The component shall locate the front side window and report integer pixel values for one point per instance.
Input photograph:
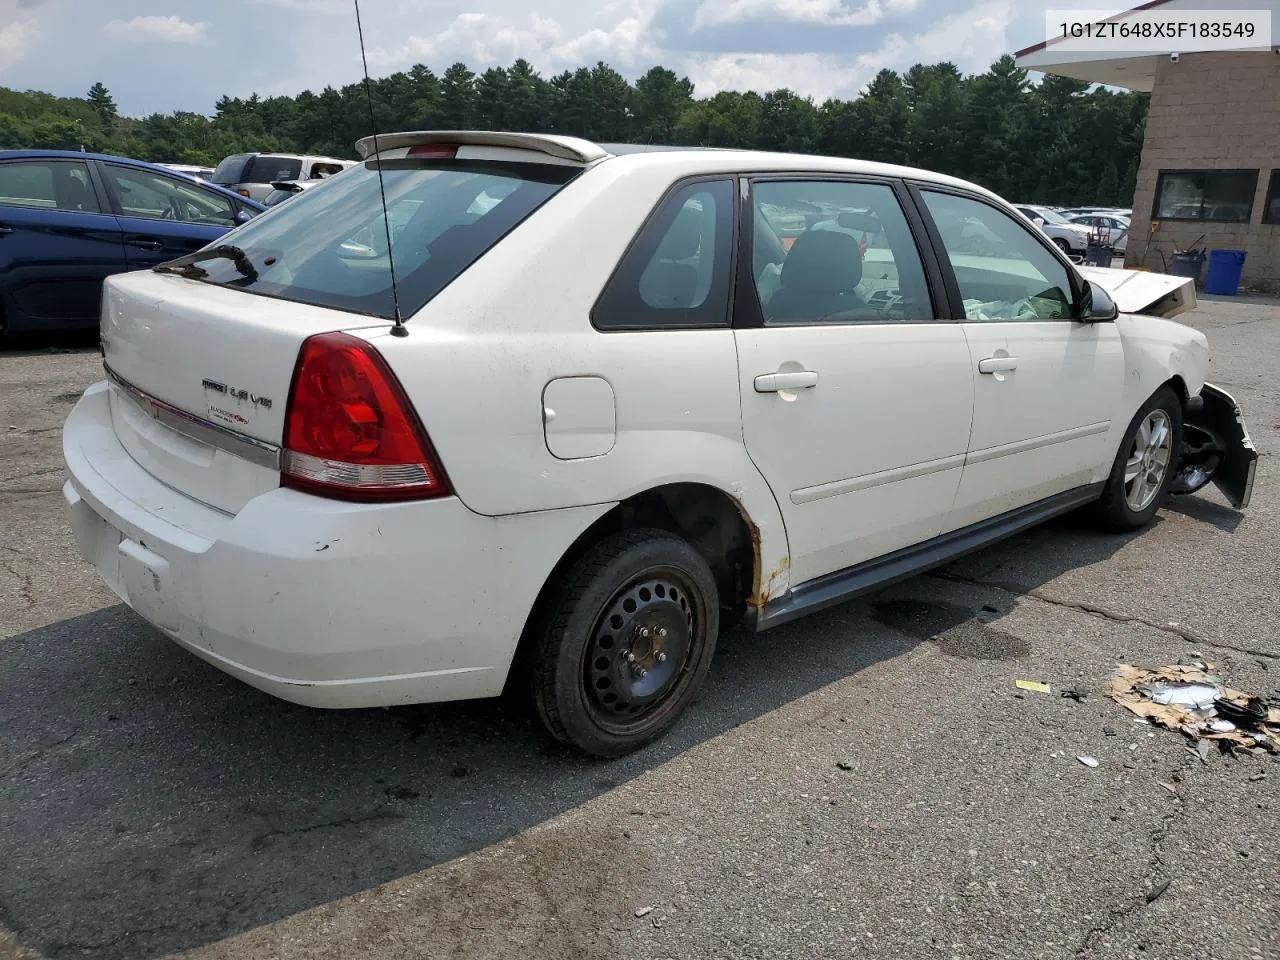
(1221, 195)
(328, 245)
(154, 196)
(835, 252)
(676, 273)
(48, 184)
(1003, 272)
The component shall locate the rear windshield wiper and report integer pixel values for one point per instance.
(186, 266)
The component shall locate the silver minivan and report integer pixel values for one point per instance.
(251, 174)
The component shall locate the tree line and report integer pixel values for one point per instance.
(1057, 141)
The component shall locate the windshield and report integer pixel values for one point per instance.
(328, 245)
(1048, 216)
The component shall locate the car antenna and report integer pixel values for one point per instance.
(398, 328)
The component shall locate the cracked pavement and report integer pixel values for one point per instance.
(151, 807)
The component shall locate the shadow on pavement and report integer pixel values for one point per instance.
(150, 804)
(34, 344)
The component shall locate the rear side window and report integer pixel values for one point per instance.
(328, 245)
(265, 169)
(47, 184)
(676, 273)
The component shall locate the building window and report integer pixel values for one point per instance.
(1221, 195)
(1271, 212)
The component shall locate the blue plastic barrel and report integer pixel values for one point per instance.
(1225, 267)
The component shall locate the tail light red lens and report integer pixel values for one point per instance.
(350, 431)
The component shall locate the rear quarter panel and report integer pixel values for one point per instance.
(479, 356)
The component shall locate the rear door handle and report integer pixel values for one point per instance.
(997, 364)
(4, 230)
(144, 243)
(797, 380)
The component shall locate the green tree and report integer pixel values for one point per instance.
(99, 98)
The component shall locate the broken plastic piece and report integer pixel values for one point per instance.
(1031, 685)
(1088, 761)
(1221, 726)
(644, 911)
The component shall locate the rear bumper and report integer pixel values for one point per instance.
(319, 602)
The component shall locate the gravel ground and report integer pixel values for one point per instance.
(150, 806)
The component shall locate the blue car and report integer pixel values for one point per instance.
(67, 220)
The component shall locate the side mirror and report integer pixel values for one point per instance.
(243, 216)
(1094, 304)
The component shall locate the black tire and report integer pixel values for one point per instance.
(1114, 511)
(586, 691)
(1063, 245)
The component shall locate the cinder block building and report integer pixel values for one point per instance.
(1211, 158)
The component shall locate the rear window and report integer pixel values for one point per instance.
(328, 245)
(265, 169)
(229, 170)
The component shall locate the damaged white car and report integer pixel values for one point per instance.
(554, 441)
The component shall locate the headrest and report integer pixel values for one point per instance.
(822, 261)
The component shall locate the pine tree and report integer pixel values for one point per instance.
(99, 98)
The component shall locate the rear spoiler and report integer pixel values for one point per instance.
(572, 149)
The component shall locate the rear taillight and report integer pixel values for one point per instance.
(350, 432)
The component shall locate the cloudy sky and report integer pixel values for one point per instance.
(183, 54)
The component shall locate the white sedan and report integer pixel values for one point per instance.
(599, 402)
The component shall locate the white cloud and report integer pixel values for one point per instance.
(15, 38)
(971, 40)
(830, 12)
(158, 30)
(482, 39)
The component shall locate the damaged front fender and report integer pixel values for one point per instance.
(1216, 447)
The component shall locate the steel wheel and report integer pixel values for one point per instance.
(1148, 462)
(625, 642)
(641, 649)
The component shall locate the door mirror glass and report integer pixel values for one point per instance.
(243, 216)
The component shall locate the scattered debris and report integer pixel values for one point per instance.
(1088, 761)
(1258, 776)
(844, 764)
(1201, 750)
(1032, 685)
(644, 911)
(1158, 890)
(1077, 694)
(1187, 699)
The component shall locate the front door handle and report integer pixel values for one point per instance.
(4, 229)
(997, 364)
(144, 243)
(795, 380)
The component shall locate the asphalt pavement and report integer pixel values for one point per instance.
(865, 783)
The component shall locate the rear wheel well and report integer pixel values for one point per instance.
(710, 520)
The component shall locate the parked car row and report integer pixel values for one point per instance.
(68, 220)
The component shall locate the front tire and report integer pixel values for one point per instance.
(1063, 245)
(1145, 465)
(628, 642)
